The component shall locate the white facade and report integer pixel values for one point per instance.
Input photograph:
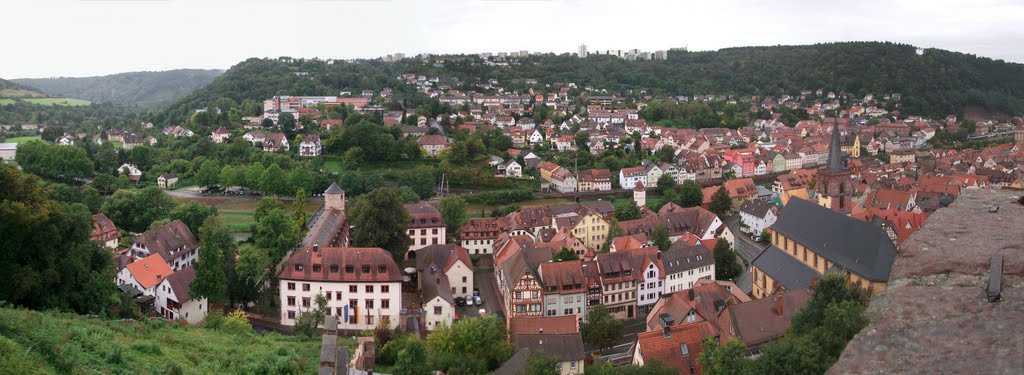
(422, 237)
(513, 169)
(309, 149)
(649, 291)
(566, 304)
(755, 225)
(366, 302)
(630, 182)
(192, 311)
(478, 246)
(438, 312)
(460, 278)
(684, 280)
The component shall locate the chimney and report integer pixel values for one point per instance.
(665, 321)
(316, 247)
(691, 294)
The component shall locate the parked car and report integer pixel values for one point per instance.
(459, 301)
(478, 300)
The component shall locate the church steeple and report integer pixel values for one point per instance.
(835, 150)
(833, 184)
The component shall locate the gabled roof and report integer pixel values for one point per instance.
(150, 270)
(679, 349)
(682, 257)
(785, 269)
(756, 207)
(766, 319)
(180, 282)
(852, 244)
(564, 348)
(167, 239)
(379, 265)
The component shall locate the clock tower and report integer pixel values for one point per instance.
(833, 184)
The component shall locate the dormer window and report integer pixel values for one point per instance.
(382, 269)
(349, 268)
(366, 268)
(298, 267)
(316, 268)
(334, 268)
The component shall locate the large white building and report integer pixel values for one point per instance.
(173, 241)
(363, 286)
(652, 285)
(684, 264)
(756, 216)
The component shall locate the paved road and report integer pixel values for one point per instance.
(745, 248)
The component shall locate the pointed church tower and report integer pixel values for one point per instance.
(640, 195)
(832, 183)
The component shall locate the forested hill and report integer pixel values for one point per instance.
(10, 89)
(146, 89)
(936, 83)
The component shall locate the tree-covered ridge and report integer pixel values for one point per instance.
(147, 89)
(936, 83)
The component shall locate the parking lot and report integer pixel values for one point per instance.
(483, 280)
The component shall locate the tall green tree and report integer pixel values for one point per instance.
(276, 232)
(33, 272)
(564, 255)
(601, 330)
(721, 204)
(480, 338)
(264, 206)
(726, 266)
(300, 178)
(134, 210)
(273, 180)
(690, 194)
(193, 214)
(308, 321)
(728, 359)
(299, 208)
(661, 238)
(254, 176)
(630, 212)
(614, 230)
(215, 240)
(540, 363)
(249, 270)
(380, 220)
(209, 173)
(453, 212)
(666, 182)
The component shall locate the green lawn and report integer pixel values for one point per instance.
(22, 139)
(237, 212)
(58, 101)
(6, 101)
(332, 166)
(118, 145)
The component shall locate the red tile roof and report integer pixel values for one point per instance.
(150, 270)
(679, 349)
(354, 264)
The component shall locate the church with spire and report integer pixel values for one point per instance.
(833, 185)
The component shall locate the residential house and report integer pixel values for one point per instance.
(310, 146)
(565, 289)
(104, 232)
(254, 137)
(653, 174)
(563, 181)
(444, 273)
(519, 283)
(619, 280)
(426, 227)
(173, 241)
(555, 336)
(363, 286)
(220, 135)
(134, 173)
(275, 142)
(628, 177)
(477, 235)
(511, 169)
(676, 346)
(595, 180)
(651, 285)
(684, 264)
(433, 144)
(756, 215)
(167, 180)
(154, 278)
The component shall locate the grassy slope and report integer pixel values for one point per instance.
(58, 343)
(22, 139)
(237, 211)
(57, 101)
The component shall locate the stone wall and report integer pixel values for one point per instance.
(934, 317)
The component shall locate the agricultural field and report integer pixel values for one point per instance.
(21, 139)
(6, 101)
(34, 342)
(58, 101)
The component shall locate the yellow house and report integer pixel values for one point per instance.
(852, 148)
(592, 229)
(809, 241)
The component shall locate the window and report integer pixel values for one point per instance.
(369, 303)
(353, 302)
(385, 303)
(328, 295)
(337, 296)
(316, 268)
(305, 287)
(349, 268)
(291, 286)
(369, 288)
(520, 308)
(291, 314)
(338, 311)
(291, 301)
(298, 267)
(463, 279)
(369, 320)
(437, 310)
(334, 268)
(366, 268)
(352, 288)
(382, 269)
(384, 288)
(305, 301)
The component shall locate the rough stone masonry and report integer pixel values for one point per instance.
(934, 316)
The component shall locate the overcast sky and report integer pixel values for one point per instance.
(45, 38)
